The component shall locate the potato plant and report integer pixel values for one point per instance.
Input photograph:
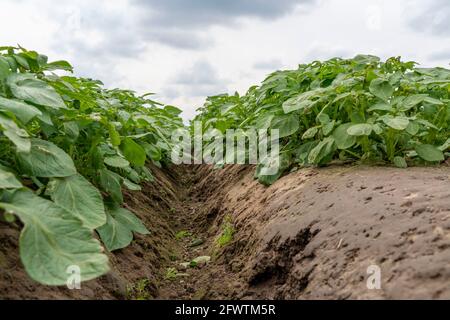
(355, 110)
(68, 147)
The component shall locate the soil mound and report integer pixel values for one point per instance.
(311, 235)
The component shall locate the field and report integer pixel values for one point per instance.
(88, 187)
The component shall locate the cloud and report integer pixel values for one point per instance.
(183, 24)
(443, 55)
(108, 30)
(96, 30)
(433, 18)
(201, 79)
(189, 40)
(191, 86)
(201, 13)
(321, 51)
(272, 64)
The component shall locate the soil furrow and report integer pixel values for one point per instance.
(314, 234)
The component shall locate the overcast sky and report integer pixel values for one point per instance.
(186, 50)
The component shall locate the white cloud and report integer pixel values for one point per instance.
(185, 50)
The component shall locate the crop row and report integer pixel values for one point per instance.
(67, 148)
(355, 110)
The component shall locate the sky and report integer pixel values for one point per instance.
(186, 50)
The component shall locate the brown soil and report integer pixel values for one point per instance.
(135, 270)
(312, 235)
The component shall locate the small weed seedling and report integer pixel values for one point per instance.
(139, 290)
(228, 232)
(183, 235)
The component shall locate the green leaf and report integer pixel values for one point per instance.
(114, 136)
(54, 240)
(117, 233)
(81, 198)
(263, 121)
(413, 128)
(59, 65)
(111, 183)
(23, 111)
(302, 102)
(152, 152)
(133, 152)
(131, 186)
(270, 165)
(310, 133)
(72, 130)
(323, 118)
(286, 124)
(30, 89)
(46, 160)
(299, 103)
(8, 180)
(397, 123)
(400, 162)
(146, 174)
(322, 151)
(4, 70)
(22, 61)
(328, 128)
(12, 63)
(342, 138)
(17, 135)
(382, 106)
(433, 101)
(117, 162)
(302, 153)
(378, 129)
(129, 219)
(173, 110)
(427, 124)
(412, 101)
(382, 89)
(429, 153)
(357, 130)
(445, 146)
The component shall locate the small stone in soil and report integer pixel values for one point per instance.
(197, 242)
(202, 260)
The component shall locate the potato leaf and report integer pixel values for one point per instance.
(286, 124)
(397, 123)
(133, 152)
(400, 162)
(46, 160)
(382, 89)
(429, 153)
(117, 233)
(28, 88)
(111, 183)
(117, 162)
(17, 135)
(341, 137)
(8, 180)
(54, 240)
(23, 111)
(322, 151)
(80, 197)
(357, 130)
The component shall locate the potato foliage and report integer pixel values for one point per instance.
(355, 110)
(68, 147)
